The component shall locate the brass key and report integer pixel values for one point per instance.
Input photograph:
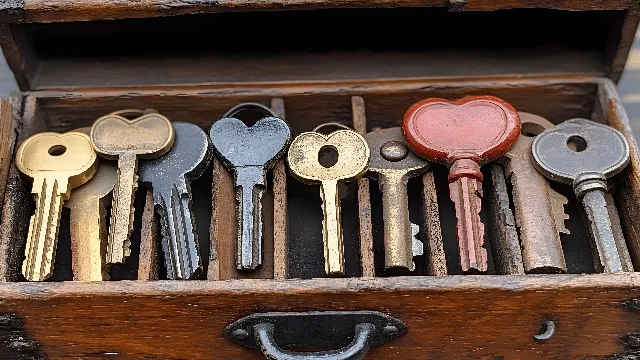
(56, 163)
(88, 220)
(116, 137)
(392, 164)
(353, 158)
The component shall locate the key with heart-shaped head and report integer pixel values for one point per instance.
(392, 165)
(170, 177)
(585, 154)
(114, 136)
(250, 152)
(352, 161)
(56, 163)
(463, 135)
(88, 222)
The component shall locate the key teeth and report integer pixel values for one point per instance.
(470, 229)
(558, 202)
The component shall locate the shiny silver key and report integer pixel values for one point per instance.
(585, 154)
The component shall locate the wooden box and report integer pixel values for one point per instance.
(359, 63)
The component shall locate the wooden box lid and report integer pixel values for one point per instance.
(77, 45)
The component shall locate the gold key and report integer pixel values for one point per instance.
(353, 158)
(114, 136)
(88, 207)
(56, 163)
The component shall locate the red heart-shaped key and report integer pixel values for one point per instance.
(463, 135)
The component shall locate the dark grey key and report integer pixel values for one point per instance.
(170, 176)
(250, 152)
(585, 154)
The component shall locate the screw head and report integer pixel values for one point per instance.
(240, 334)
(394, 150)
(390, 330)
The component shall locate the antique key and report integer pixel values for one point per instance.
(392, 164)
(463, 135)
(539, 210)
(171, 176)
(56, 163)
(250, 152)
(88, 220)
(114, 136)
(352, 161)
(585, 154)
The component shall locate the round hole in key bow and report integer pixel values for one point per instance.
(57, 150)
(576, 143)
(328, 156)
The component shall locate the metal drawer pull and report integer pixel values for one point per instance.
(354, 351)
(275, 333)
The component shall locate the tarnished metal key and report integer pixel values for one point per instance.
(171, 176)
(250, 152)
(585, 154)
(114, 136)
(56, 163)
(539, 210)
(352, 162)
(463, 135)
(392, 164)
(88, 222)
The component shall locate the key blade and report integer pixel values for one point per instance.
(43, 228)
(332, 229)
(466, 194)
(250, 182)
(397, 233)
(558, 201)
(417, 247)
(179, 237)
(122, 212)
(595, 207)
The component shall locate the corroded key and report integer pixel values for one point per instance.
(539, 210)
(116, 137)
(56, 163)
(250, 152)
(463, 135)
(585, 154)
(352, 161)
(88, 222)
(392, 164)
(170, 177)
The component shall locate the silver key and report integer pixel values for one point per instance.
(585, 154)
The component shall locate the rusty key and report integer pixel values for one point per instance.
(463, 135)
(539, 210)
(392, 164)
(88, 222)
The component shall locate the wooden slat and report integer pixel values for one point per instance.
(477, 317)
(434, 246)
(280, 223)
(20, 59)
(71, 10)
(364, 197)
(149, 242)
(6, 142)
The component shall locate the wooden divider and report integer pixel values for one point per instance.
(280, 228)
(433, 247)
(149, 241)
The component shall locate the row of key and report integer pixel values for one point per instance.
(146, 147)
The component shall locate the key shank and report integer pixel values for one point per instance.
(42, 239)
(250, 184)
(332, 228)
(122, 209)
(397, 231)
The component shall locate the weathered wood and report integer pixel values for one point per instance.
(6, 142)
(433, 247)
(367, 261)
(70, 10)
(479, 317)
(14, 225)
(280, 223)
(148, 264)
(20, 59)
(621, 37)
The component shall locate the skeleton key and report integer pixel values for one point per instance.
(114, 136)
(463, 135)
(56, 163)
(353, 160)
(88, 222)
(585, 154)
(392, 164)
(539, 210)
(250, 152)
(170, 176)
